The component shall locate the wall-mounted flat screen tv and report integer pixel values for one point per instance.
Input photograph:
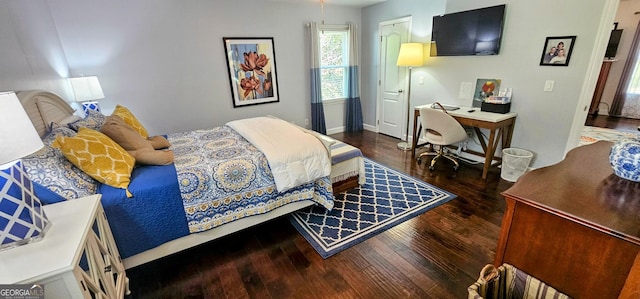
(614, 41)
(472, 32)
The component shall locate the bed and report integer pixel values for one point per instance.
(147, 226)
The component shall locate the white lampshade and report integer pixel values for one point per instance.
(87, 88)
(18, 137)
(411, 54)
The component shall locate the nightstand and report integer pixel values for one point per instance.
(77, 258)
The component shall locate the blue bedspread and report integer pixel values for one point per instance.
(153, 216)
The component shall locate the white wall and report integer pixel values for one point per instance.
(163, 59)
(421, 12)
(544, 119)
(32, 56)
(628, 22)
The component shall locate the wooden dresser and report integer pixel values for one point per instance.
(576, 226)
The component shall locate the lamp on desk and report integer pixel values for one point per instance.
(410, 55)
(87, 90)
(22, 219)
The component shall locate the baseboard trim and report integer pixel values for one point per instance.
(337, 130)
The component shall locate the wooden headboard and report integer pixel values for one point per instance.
(44, 108)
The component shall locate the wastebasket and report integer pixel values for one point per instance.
(515, 162)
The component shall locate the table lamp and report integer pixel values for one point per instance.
(411, 54)
(87, 90)
(22, 219)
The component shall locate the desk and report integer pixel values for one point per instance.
(499, 125)
(575, 226)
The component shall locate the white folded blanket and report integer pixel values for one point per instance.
(295, 156)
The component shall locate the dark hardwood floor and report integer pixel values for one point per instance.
(612, 122)
(435, 255)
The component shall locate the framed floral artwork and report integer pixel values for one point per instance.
(251, 64)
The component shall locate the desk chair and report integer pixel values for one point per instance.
(441, 129)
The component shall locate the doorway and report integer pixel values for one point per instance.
(392, 80)
(586, 94)
(611, 74)
(626, 21)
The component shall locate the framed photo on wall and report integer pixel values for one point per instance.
(251, 62)
(557, 50)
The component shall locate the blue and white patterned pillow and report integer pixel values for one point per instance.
(49, 168)
(64, 122)
(56, 131)
(94, 120)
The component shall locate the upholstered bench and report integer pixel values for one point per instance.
(347, 162)
(347, 166)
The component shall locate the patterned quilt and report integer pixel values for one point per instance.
(223, 178)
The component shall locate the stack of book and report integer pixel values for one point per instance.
(503, 97)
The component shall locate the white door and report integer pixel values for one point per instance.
(392, 98)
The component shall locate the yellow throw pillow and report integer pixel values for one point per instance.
(131, 120)
(98, 156)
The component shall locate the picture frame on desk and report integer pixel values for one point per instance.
(484, 89)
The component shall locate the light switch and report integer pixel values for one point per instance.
(548, 85)
(421, 80)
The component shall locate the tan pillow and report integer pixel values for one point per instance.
(123, 134)
(159, 142)
(130, 119)
(140, 148)
(154, 157)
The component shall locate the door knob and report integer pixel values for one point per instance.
(400, 91)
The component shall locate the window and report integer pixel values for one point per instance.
(334, 61)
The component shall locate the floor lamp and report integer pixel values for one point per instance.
(410, 55)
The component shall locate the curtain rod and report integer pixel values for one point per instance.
(328, 25)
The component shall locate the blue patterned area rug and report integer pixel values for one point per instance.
(387, 199)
